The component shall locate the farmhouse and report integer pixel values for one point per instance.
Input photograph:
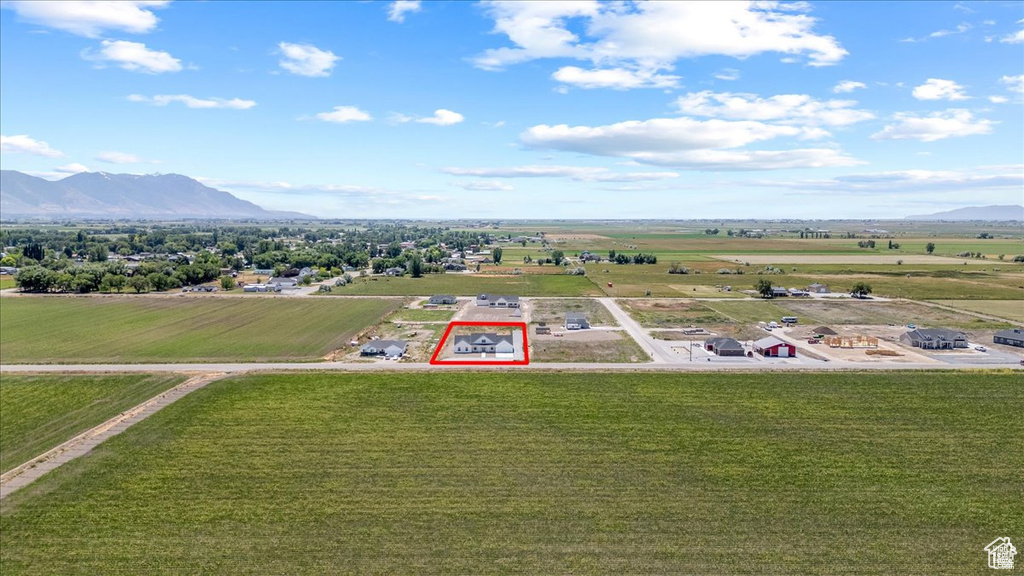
(1013, 337)
(439, 299)
(935, 339)
(773, 347)
(818, 289)
(497, 301)
(485, 342)
(779, 291)
(724, 346)
(576, 321)
(386, 348)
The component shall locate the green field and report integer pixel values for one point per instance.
(1009, 309)
(161, 329)
(471, 285)
(421, 315)
(7, 282)
(887, 473)
(39, 412)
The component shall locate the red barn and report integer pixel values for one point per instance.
(773, 347)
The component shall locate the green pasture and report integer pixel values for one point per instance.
(497, 473)
(1012, 310)
(39, 412)
(162, 329)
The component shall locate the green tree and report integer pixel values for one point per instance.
(139, 283)
(764, 287)
(861, 289)
(497, 255)
(557, 256)
(416, 267)
(227, 282)
(930, 247)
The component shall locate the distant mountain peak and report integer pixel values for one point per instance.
(106, 195)
(1006, 213)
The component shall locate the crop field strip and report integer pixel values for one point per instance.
(158, 329)
(39, 412)
(498, 473)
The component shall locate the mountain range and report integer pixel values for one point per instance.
(114, 196)
(988, 213)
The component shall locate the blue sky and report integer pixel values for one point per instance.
(529, 110)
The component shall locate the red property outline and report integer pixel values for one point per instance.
(523, 362)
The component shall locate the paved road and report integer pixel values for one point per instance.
(655, 348)
(82, 444)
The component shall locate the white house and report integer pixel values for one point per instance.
(486, 342)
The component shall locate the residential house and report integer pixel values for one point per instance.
(576, 321)
(796, 292)
(11, 270)
(587, 256)
(283, 283)
(543, 328)
(497, 301)
(1012, 337)
(260, 288)
(263, 271)
(818, 289)
(724, 346)
(774, 348)
(482, 343)
(935, 339)
(439, 299)
(386, 348)
(779, 291)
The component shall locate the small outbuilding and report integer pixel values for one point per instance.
(818, 288)
(1012, 337)
(772, 347)
(724, 346)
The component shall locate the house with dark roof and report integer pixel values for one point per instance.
(722, 346)
(386, 348)
(779, 291)
(1012, 337)
(483, 343)
(935, 339)
(280, 283)
(774, 348)
(576, 321)
(497, 301)
(439, 299)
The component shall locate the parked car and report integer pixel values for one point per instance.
(981, 349)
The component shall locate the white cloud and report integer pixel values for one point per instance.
(1015, 38)
(648, 37)
(960, 29)
(133, 56)
(938, 89)
(23, 144)
(914, 181)
(441, 117)
(728, 74)
(485, 186)
(848, 86)
(998, 99)
(935, 126)
(1013, 83)
(73, 168)
(89, 19)
(398, 9)
(114, 157)
(617, 78)
(343, 114)
(193, 102)
(784, 108)
(578, 173)
(306, 59)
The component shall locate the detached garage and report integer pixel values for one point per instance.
(772, 347)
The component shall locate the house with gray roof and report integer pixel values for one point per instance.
(497, 301)
(1012, 337)
(280, 283)
(935, 339)
(576, 321)
(722, 346)
(439, 299)
(386, 348)
(483, 343)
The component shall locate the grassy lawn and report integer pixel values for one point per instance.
(40, 412)
(1009, 309)
(553, 311)
(421, 315)
(492, 473)
(160, 329)
(850, 311)
(655, 313)
(472, 284)
(604, 346)
(7, 282)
